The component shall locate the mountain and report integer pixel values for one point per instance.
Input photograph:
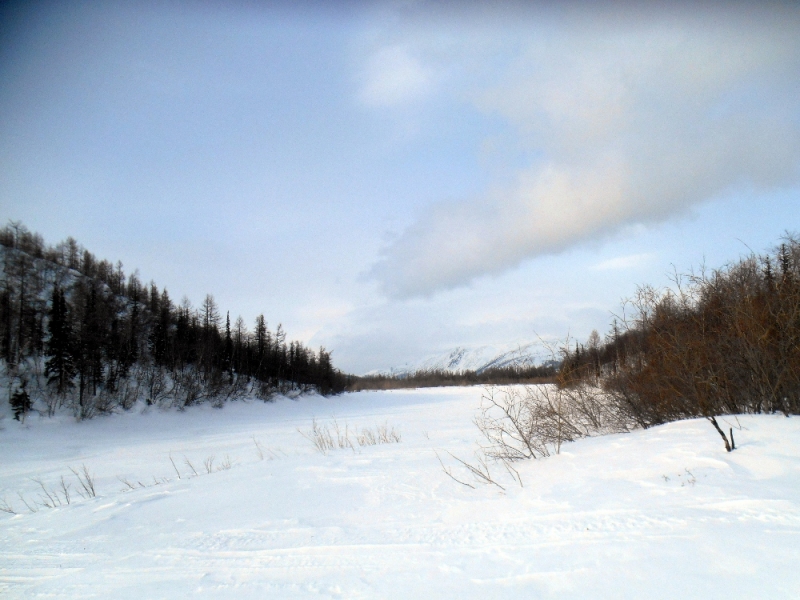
(476, 358)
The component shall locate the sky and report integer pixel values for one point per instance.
(393, 179)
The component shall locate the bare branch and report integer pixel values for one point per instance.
(174, 466)
(6, 507)
(448, 472)
(190, 465)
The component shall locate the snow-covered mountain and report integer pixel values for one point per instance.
(476, 358)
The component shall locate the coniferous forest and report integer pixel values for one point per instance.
(76, 333)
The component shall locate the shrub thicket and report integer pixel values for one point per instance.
(720, 342)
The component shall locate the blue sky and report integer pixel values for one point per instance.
(393, 179)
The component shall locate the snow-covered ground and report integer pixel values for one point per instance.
(663, 513)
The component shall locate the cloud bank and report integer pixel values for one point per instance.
(630, 123)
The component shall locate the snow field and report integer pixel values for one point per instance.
(662, 513)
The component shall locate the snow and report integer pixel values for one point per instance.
(662, 513)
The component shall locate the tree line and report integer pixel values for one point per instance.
(76, 331)
(725, 341)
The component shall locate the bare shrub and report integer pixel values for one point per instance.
(47, 498)
(128, 484)
(266, 391)
(722, 341)
(50, 497)
(32, 508)
(188, 389)
(328, 437)
(388, 435)
(155, 383)
(367, 438)
(342, 436)
(104, 403)
(53, 402)
(65, 491)
(528, 422)
(319, 436)
(383, 434)
(128, 392)
(86, 482)
(332, 436)
(523, 422)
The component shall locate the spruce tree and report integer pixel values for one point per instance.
(228, 358)
(60, 365)
(261, 344)
(21, 403)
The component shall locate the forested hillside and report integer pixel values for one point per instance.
(76, 333)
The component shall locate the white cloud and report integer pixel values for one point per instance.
(393, 76)
(634, 124)
(621, 263)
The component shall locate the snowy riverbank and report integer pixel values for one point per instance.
(662, 513)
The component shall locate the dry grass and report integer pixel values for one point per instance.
(332, 436)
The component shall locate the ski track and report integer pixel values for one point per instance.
(662, 513)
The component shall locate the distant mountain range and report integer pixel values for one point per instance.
(476, 358)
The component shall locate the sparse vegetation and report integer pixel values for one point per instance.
(85, 481)
(521, 422)
(332, 436)
(529, 422)
(208, 463)
(55, 496)
(479, 470)
(61, 494)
